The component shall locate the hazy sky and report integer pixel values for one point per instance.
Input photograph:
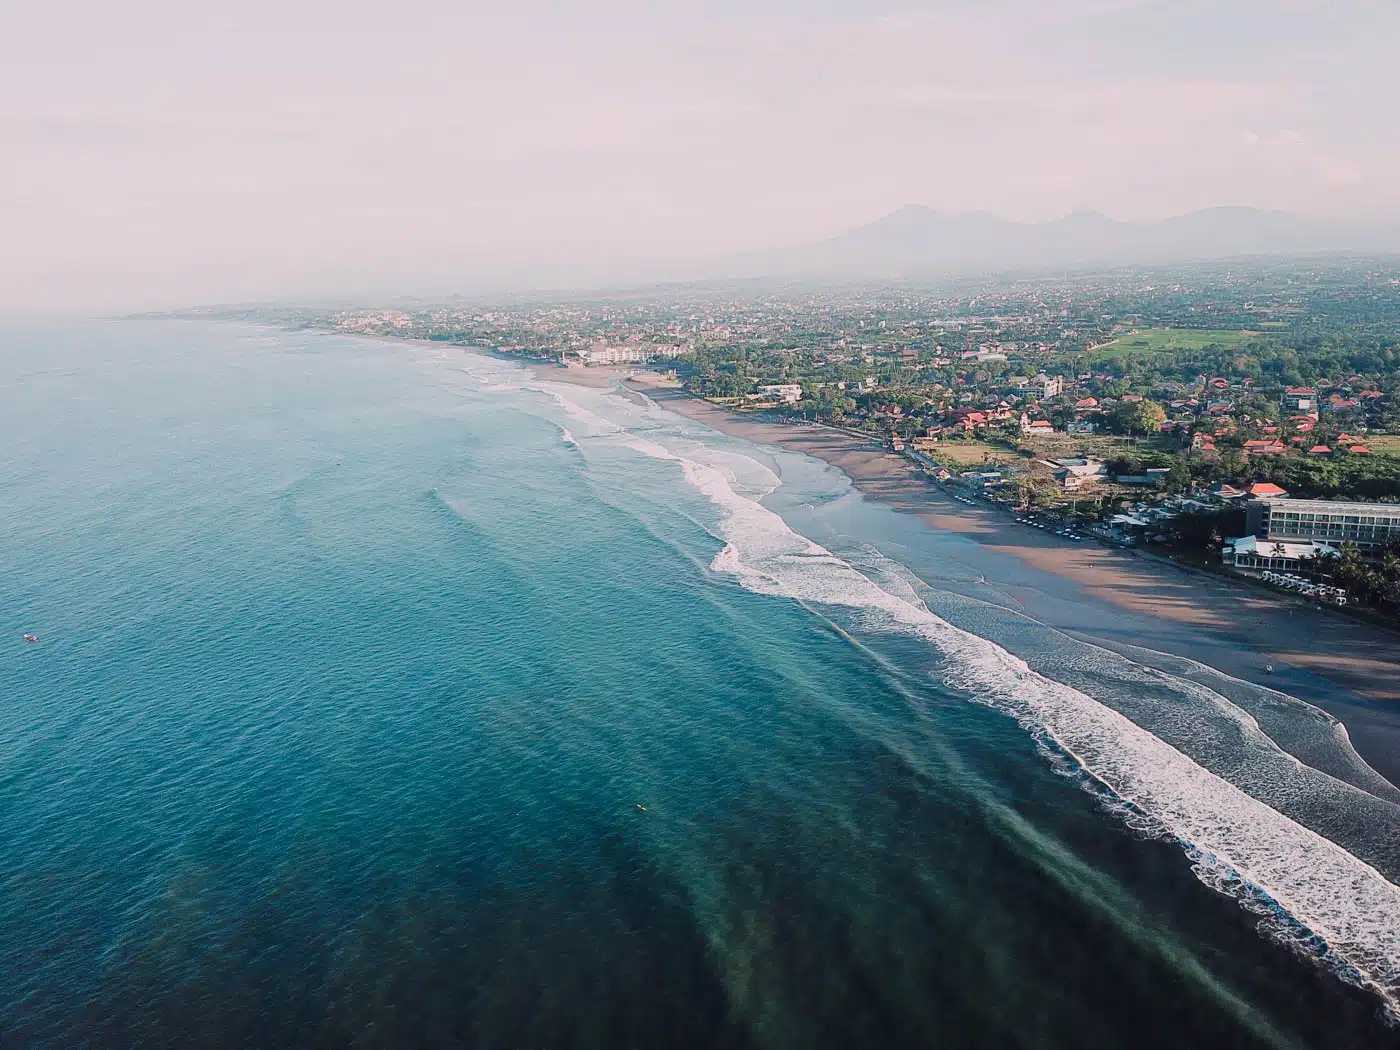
(162, 153)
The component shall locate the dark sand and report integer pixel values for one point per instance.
(1112, 596)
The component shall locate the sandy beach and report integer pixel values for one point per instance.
(1108, 595)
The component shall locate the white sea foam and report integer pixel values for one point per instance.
(1306, 887)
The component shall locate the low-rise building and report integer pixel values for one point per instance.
(1302, 399)
(630, 354)
(1250, 552)
(788, 393)
(1074, 474)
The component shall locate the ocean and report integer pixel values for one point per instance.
(395, 695)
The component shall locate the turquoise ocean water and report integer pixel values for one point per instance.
(359, 661)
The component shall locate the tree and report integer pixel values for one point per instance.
(1030, 490)
(1179, 478)
(1137, 417)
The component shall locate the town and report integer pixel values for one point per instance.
(1144, 406)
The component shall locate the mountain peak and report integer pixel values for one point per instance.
(916, 240)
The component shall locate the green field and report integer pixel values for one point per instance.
(964, 454)
(1383, 444)
(1155, 340)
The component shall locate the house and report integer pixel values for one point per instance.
(1265, 490)
(1081, 426)
(1036, 426)
(1300, 399)
(1074, 474)
(1319, 450)
(968, 419)
(1359, 450)
(1086, 404)
(1264, 448)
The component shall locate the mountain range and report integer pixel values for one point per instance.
(916, 241)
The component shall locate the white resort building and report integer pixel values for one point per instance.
(1250, 552)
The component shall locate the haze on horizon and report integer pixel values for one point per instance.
(162, 154)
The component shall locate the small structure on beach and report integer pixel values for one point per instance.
(1250, 552)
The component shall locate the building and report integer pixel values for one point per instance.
(1368, 525)
(1250, 552)
(1301, 399)
(1075, 474)
(601, 354)
(1042, 386)
(788, 393)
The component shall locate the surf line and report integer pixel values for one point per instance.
(1317, 895)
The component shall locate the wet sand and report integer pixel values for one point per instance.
(1118, 597)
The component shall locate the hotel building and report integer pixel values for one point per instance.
(1368, 525)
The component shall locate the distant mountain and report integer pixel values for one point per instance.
(918, 241)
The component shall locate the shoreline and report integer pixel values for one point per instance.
(1107, 596)
(1111, 596)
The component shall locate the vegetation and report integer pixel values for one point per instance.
(1137, 417)
(1375, 583)
(1158, 340)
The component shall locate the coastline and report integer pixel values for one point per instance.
(1110, 596)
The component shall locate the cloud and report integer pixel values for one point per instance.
(250, 150)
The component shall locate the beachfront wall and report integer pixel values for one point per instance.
(1368, 525)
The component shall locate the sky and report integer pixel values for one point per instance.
(157, 154)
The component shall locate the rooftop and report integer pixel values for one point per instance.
(1294, 549)
(1333, 506)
